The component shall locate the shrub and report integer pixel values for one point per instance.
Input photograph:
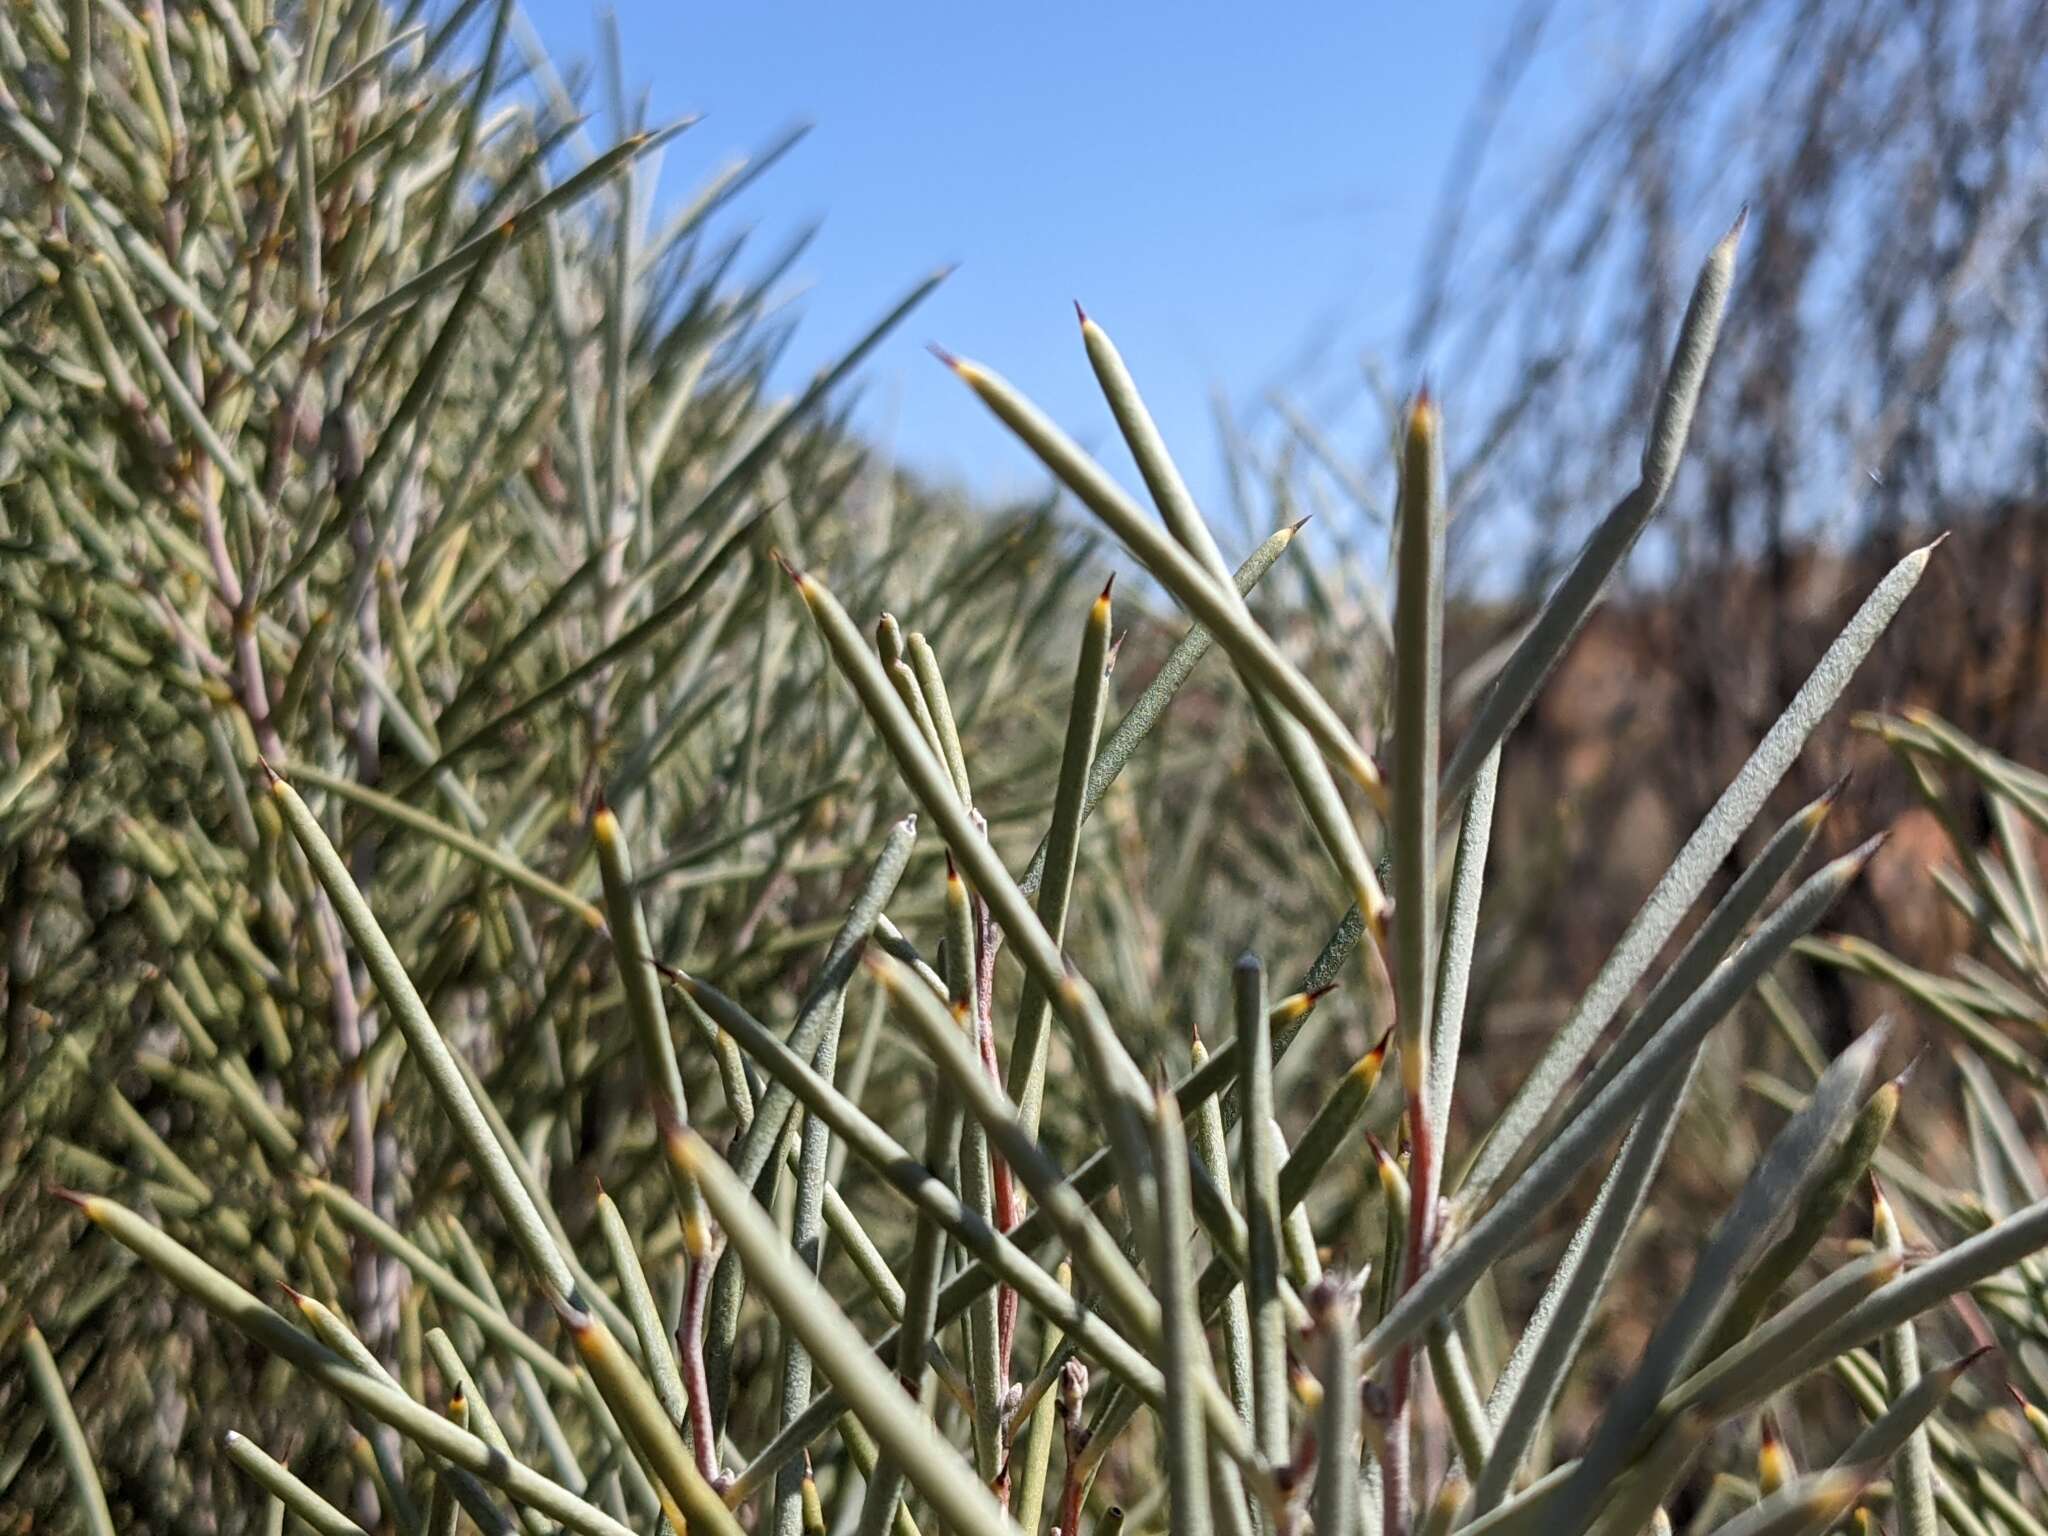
(421, 784)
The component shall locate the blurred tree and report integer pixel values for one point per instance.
(1882, 376)
(1883, 361)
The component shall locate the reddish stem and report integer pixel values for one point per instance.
(690, 1356)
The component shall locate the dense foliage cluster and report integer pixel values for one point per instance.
(522, 1012)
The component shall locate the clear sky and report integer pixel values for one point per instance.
(1227, 188)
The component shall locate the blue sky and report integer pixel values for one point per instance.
(1227, 190)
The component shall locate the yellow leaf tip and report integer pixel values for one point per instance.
(1832, 793)
(1423, 408)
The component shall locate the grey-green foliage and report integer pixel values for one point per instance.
(1988, 1016)
(424, 796)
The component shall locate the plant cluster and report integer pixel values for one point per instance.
(489, 929)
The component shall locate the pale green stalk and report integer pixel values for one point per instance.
(1169, 1228)
(532, 1393)
(1529, 1385)
(1093, 1248)
(1035, 1445)
(920, 1294)
(1119, 1086)
(1210, 1147)
(1451, 1371)
(1711, 941)
(985, 1375)
(1131, 731)
(1814, 1502)
(424, 1040)
(48, 1382)
(901, 1430)
(318, 1515)
(1291, 741)
(688, 1500)
(476, 1415)
(822, 1008)
(1461, 934)
(1688, 875)
(443, 1514)
(1418, 685)
(931, 684)
(1913, 1460)
(1181, 573)
(330, 1330)
(1297, 1238)
(1479, 1246)
(491, 857)
(442, 1281)
(1565, 610)
(634, 952)
(807, 1237)
(1262, 1211)
(429, 1430)
(1795, 1161)
(656, 1348)
(1003, 1257)
(1815, 1215)
(1060, 853)
(1335, 1341)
